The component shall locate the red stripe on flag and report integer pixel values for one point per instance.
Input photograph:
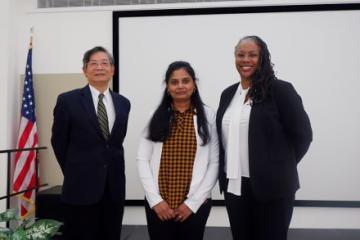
(25, 169)
(23, 210)
(23, 139)
(31, 185)
(19, 180)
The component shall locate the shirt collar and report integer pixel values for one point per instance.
(191, 109)
(95, 93)
(240, 90)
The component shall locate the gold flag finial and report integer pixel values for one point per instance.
(31, 36)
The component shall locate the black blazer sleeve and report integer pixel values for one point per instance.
(294, 119)
(60, 129)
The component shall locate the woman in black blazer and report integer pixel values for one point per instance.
(264, 132)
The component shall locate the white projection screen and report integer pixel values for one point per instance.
(315, 47)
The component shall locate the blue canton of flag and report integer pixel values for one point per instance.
(28, 101)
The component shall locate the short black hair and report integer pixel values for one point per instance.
(90, 52)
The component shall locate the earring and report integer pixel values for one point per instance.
(194, 90)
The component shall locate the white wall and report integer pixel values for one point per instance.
(8, 86)
(61, 37)
(4, 41)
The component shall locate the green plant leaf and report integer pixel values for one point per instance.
(10, 214)
(19, 234)
(42, 229)
(26, 222)
(5, 233)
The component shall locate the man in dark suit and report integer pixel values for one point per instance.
(87, 135)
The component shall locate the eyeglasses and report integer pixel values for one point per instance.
(94, 64)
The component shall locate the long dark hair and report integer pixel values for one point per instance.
(264, 74)
(163, 118)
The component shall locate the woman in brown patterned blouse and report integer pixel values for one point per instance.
(178, 159)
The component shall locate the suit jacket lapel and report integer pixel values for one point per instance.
(88, 104)
(224, 104)
(117, 108)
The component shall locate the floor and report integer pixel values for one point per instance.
(223, 233)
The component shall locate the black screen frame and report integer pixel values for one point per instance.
(228, 10)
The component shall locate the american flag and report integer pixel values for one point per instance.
(25, 174)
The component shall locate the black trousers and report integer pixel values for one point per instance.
(191, 229)
(251, 219)
(102, 220)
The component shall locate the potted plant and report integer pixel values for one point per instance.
(42, 229)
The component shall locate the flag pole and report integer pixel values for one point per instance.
(36, 152)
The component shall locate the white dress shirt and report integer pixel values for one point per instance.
(235, 131)
(108, 102)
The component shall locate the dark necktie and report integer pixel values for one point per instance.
(102, 117)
